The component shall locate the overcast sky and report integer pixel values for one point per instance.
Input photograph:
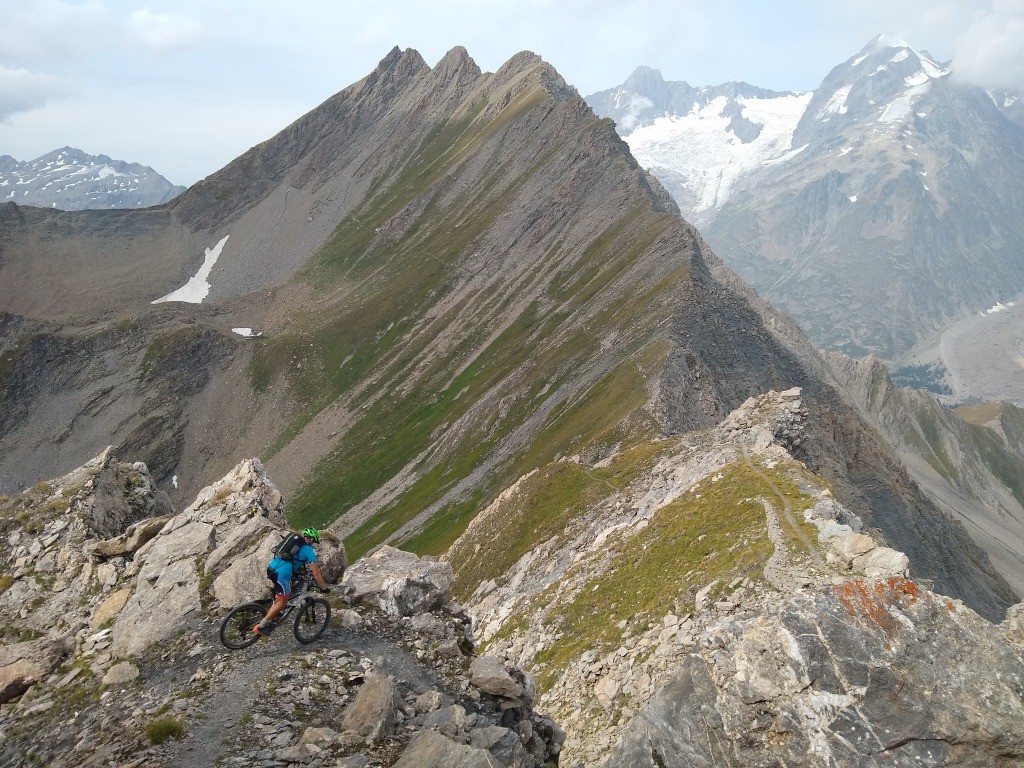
(187, 86)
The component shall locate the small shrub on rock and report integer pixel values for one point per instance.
(164, 728)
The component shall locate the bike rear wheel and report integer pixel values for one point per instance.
(312, 619)
(236, 628)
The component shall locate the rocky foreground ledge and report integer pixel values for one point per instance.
(109, 654)
(825, 654)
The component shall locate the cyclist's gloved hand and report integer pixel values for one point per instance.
(326, 590)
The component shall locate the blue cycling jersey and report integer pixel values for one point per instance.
(305, 555)
(280, 571)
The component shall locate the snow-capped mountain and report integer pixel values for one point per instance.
(879, 86)
(701, 141)
(876, 210)
(70, 179)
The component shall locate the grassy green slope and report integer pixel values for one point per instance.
(713, 533)
(460, 352)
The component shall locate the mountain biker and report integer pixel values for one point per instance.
(280, 573)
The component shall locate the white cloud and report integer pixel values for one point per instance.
(165, 32)
(44, 33)
(22, 90)
(990, 51)
(636, 105)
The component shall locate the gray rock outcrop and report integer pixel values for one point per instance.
(218, 548)
(22, 665)
(867, 673)
(400, 583)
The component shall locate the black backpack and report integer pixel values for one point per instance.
(290, 546)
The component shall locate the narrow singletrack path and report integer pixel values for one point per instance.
(242, 684)
(781, 570)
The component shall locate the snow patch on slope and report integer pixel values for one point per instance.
(197, 289)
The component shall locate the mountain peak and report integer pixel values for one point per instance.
(880, 84)
(398, 67)
(888, 40)
(550, 79)
(886, 50)
(456, 57)
(519, 63)
(70, 179)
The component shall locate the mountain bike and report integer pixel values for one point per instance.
(312, 615)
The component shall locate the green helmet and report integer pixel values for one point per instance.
(311, 533)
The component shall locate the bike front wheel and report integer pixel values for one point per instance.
(236, 628)
(312, 619)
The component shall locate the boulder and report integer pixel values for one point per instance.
(490, 676)
(882, 563)
(110, 608)
(431, 701)
(400, 583)
(133, 538)
(121, 673)
(429, 749)
(331, 557)
(503, 743)
(246, 577)
(450, 720)
(606, 690)
(321, 736)
(372, 715)
(22, 665)
(851, 546)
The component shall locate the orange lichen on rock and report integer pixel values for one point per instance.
(872, 601)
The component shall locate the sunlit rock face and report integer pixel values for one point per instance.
(870, 672)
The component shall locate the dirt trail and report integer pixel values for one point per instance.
(787, 508)
(238, 688)
(781, 570)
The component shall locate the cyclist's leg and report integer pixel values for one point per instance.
(282, 592)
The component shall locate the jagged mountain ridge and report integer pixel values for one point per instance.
(896, 187)
(72, 180)
(449, 298)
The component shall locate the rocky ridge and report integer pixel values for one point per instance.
(869, 672)
(111, 653)
(656, 602)
(794, 634)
